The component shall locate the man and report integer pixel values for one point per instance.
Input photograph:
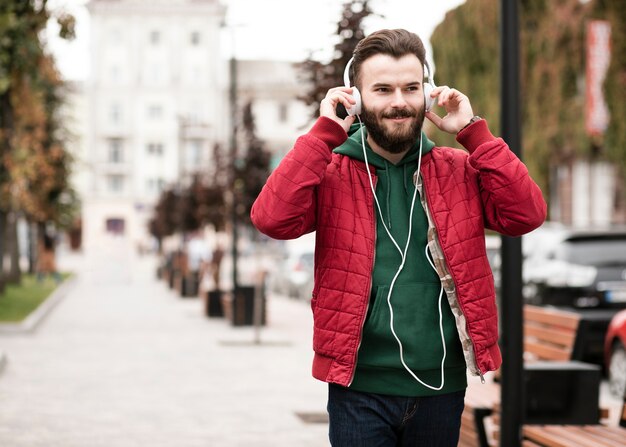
(403, 301)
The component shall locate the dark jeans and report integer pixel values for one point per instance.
(370, 420)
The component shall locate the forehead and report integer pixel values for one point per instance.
(387, 69)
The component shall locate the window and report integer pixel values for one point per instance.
(116, 37)
(115, 74)
(115, 113)
(194, 156)
(155, 37)
(283, 109)
(195, 38)
(155, 73)
(155, 111)
(155, 148)
(115, 183)
(116, 152)
(155, 185)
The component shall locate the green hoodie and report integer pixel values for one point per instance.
(415, 292)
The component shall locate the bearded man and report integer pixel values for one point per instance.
(403, 299)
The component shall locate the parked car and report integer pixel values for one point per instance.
(576, 268)
(615, 354)
(293, 274)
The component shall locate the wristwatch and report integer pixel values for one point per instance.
(472, 121)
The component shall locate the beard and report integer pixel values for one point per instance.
(394, 139)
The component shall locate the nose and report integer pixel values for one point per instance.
(398, 100)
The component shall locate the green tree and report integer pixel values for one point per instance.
(466, 52)
(322, 76)
(614, 141)
(25, 76)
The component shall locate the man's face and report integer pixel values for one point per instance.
(393, 101)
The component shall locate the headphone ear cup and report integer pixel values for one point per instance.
(428, 100)
(356, 108)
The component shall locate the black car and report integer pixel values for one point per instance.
(576, 268)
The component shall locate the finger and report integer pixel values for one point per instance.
(339, 90)
(445, 96)
(340, 96)
(434, 118)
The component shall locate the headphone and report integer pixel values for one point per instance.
(429, 86)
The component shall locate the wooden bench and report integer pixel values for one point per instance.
(549, 335)
(577, 435)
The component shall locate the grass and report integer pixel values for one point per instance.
(18, 301)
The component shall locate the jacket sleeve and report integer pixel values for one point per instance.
(286, 206)
(513, 203)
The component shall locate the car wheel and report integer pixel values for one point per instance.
(617, 370)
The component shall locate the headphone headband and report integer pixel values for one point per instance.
(429, 85)
(346, 73)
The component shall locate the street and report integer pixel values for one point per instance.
(123, 361)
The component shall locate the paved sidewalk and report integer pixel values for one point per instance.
(123, 361)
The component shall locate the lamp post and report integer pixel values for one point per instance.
(233, 166)
(233, 151)
(512, 306)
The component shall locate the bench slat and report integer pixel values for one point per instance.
(598, 439)
(536, 434)
(544, 352)
(558, 337)
(570, 436)
(609, 433)
(552, 317)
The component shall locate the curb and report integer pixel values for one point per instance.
(32, 321)
(3, 361)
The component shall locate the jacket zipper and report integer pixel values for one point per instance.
(369, 293)
(480, 372)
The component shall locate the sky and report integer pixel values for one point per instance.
(269, 29)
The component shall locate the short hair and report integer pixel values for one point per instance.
(392, 42)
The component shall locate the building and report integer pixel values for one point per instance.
(273, 89)
(155, 105)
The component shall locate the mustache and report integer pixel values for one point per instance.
(400, 113)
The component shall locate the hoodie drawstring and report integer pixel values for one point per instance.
(388, 194)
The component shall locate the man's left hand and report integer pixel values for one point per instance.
(458, 108)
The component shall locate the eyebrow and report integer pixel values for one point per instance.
(386, 84)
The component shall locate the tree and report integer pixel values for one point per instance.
(163, 222)
(466, 52)
(614, 141)
(321, 76)
(27, 99)
(251, 174)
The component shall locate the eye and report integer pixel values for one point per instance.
(381, 89)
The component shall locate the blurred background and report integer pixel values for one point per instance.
(153, 125)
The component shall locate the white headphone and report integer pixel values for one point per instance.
(429, 86)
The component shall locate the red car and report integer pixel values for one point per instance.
(615, 353)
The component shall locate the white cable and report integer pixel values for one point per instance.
(403, 258)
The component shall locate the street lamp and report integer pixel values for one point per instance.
(512, 306)
(233, 99)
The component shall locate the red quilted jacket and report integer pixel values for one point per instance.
(314, 189)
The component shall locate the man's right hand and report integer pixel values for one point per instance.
(334, 97)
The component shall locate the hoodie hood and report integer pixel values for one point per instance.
(353, 148)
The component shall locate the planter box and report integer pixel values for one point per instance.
(239, 307)
(213, 303)
(189, 286)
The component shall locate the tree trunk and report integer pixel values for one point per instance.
(6, 128)
(14, 274)
(32, 247)
(3, 219)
